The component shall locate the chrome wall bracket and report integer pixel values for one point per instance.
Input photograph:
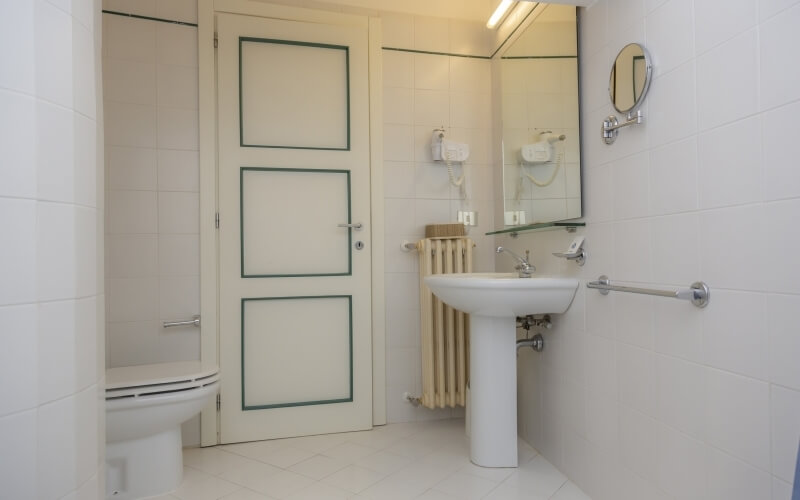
(611, 125)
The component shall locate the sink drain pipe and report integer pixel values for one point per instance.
(536, 343)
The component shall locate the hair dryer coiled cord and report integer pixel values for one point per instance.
(459, 183)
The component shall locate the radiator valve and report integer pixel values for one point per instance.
(415, 401)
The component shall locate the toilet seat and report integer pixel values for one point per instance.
(157, 379)
(145, 407)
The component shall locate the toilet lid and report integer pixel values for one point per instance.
(159, 378)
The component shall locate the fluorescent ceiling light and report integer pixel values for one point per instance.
(499, 12)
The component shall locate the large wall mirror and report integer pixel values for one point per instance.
(540, 116)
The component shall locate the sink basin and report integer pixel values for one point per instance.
(494, 300)
(503, 294)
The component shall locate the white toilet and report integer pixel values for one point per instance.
(145, 407)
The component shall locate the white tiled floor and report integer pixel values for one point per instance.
(426, 460)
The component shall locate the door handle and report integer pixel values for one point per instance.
(357, 226)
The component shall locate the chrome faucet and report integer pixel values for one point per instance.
(524, 267)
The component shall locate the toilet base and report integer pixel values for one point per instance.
(149, 466)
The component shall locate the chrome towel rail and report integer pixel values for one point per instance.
(698, 293)
(195, 321)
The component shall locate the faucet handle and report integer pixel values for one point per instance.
(523, 264)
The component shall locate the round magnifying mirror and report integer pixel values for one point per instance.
(630, 78)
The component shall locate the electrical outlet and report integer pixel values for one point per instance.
(468, 218)
(514, 218)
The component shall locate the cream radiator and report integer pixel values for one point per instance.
(444, 330)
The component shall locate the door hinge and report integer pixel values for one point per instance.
(216, 220)
(216, 41)
(219, 402)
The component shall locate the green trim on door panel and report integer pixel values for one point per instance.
(241, 222)
(301, 403)
(346, 49)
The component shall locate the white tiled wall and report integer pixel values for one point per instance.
(52, 414)
(646, 398)
(423, 92)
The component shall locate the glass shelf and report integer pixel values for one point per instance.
(542, 226)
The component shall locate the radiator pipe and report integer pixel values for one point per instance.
(408, 246)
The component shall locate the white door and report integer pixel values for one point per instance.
(293, 125)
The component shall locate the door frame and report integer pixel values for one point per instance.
(209, 249)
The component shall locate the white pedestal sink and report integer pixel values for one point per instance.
(494, 300)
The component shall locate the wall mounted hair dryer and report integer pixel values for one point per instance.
(443, 149)
(449, 151)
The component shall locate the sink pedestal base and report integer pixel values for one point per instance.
(493, 391)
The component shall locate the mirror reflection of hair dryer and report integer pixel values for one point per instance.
(542, 152)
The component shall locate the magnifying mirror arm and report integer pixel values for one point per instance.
(611, 125)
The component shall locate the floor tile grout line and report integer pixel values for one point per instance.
(566, 480)
(448, 455)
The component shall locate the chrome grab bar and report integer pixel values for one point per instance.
(698, 293)
(195, 321)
